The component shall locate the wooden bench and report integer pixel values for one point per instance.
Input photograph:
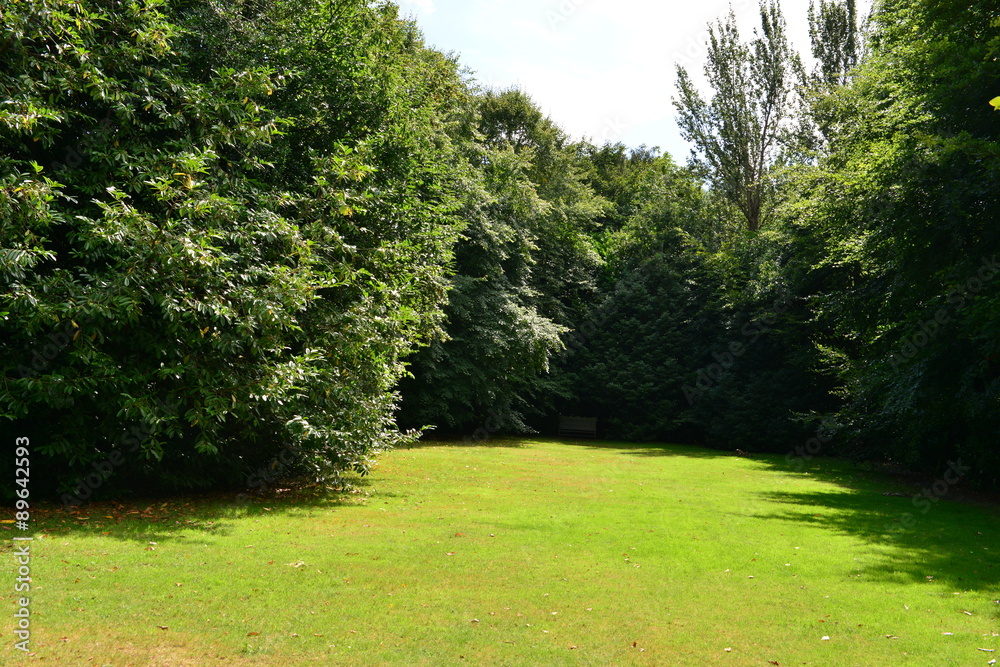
(578, 427)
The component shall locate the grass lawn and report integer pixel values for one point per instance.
(524, 552)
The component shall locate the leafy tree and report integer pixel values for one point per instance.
(625, 177)
(837, 42)
(218, 238)
(639, 344)
(758, 385)
(629, 353)
(497, 343)
(523, 261)
(738, 133)
(904, 205)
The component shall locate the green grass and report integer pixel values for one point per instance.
(526, 553)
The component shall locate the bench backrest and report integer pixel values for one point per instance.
(578, 426)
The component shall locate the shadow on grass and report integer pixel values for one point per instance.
(655, 449)
(643, 449)
(954, 543)
(954, 538)
(506, 442)
(958, 544)
(626, 448)
(163, 520)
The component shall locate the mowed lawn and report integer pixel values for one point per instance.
(525, 552)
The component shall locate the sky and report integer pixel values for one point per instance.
(602, 69)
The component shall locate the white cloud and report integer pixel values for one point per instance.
(601, 68)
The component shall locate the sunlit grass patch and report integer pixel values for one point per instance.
(541, 554)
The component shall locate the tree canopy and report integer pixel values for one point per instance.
(263, 240)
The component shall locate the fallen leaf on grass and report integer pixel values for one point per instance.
(163, 627)
(298, 563)
(253, 634)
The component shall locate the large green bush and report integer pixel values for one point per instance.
(222, 229)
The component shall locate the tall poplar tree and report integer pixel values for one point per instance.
(836, 40)
(738, 132)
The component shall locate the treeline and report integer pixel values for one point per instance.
(224, 227)
(833, 289)
(249, 241)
